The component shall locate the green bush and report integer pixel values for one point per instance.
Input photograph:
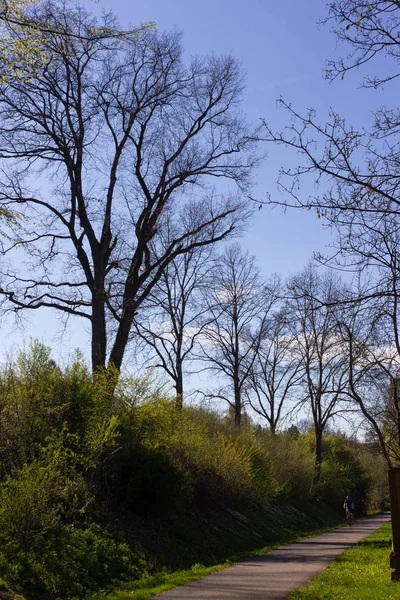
(72, 451)
(342, 474)
(170, 458)
(70, 561)
(31, 409)
(374, 464)
(149, 483)
(37, 496)
(223, 468)
(290, 465)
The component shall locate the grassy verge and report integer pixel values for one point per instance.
(161, 582)
(149, 587)
(196, 544)
(361, 573)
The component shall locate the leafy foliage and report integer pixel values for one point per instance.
(77, 461)
(70, 561)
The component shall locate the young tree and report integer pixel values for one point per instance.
(108, 135)
(312, 317)
(173, 315)
(238, 305)
(276, 372)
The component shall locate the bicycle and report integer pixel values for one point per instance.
(349, 517)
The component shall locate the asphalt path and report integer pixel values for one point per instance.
(273, 575)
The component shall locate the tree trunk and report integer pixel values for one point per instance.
(394, 489)
(318, 457)
(99, 335)
(179, 384)
(238, 406)
(236, 387)
(121, 339)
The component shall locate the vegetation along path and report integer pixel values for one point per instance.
(272, 576)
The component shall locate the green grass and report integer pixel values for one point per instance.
(148, 587)
(161, 582)
(360, 573)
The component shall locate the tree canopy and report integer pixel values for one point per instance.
(114, 138)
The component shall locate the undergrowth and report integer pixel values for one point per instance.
(98, 488)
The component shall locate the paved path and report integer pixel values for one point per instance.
(272, 576)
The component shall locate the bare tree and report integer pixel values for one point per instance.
(276, 372)
(359, 170)
(23, 24)
(174, 314)
(316, 341)
(374, 369)
(238, 305)
(361, 173)
(108, 135)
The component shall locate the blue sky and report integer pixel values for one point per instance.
(283, 52)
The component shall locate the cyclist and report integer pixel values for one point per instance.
(349, 507)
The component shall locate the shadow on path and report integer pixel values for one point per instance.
(272, 576)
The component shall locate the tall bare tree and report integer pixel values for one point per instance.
(276, 372)
(312, 315)
(359, 171)
(368, 340)
(110, 133)
(238, 304)
(174, 314)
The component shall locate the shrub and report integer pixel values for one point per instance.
(67, 443)
(31, 409)
(149, 483)
(342, 474)
(290, 463)
(70, 561)
(37, 496)
(186, 454)
(37, 402)
(375, 465)
(223, 469)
